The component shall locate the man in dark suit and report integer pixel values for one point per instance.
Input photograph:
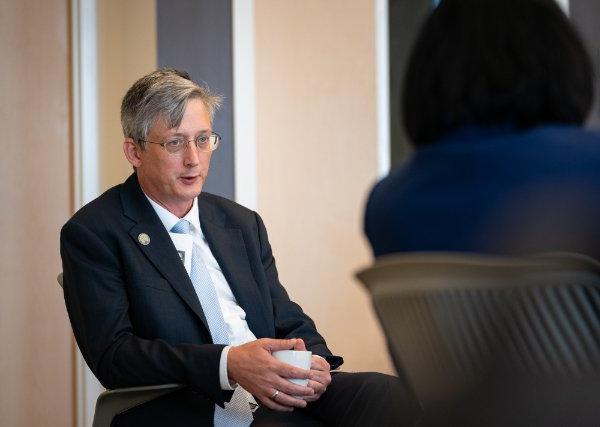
(164, 284)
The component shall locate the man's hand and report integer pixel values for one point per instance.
(254, 368)
(319, 378)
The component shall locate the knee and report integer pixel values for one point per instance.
(388, 399)
(379, 384)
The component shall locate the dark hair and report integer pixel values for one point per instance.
(487, 62)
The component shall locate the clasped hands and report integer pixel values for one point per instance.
(254, 368)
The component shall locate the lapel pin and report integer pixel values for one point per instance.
(144, 239)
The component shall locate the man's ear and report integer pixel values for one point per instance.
(132, 152)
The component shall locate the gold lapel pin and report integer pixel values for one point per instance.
(144, 239)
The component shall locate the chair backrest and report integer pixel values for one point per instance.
(449, 318)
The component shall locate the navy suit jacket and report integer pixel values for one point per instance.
(132, 306)
(493, 190)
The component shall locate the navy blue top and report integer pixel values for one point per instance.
(493, 190)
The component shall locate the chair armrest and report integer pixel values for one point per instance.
(112, 402)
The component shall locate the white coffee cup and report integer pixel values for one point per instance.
(298, 358)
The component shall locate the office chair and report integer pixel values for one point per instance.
(110, 403)
(452, 319)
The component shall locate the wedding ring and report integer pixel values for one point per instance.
(275, 395)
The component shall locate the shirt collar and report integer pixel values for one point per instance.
(169, 219)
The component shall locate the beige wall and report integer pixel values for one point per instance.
(36, 365)
(316, 159)
(126, 51)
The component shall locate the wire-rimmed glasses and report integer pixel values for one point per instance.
(178, 145)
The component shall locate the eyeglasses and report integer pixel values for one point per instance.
(179, 145)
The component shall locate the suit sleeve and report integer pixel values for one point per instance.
(98, 306)
(290, 320)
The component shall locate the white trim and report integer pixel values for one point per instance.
(85, 81)
(244, 107)
(382, 73)
(85, 155)
(564, 4)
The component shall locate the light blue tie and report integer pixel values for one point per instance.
(237, 411)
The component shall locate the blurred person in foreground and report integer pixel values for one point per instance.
(165, 283)
(495, 94)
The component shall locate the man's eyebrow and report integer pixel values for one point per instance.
(182, 134)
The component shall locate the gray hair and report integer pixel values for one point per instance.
(161, 95)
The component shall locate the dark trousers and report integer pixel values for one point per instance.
(352, 399)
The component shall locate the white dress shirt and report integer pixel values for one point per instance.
(234, 315)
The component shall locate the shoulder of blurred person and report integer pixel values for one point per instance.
(482, 190)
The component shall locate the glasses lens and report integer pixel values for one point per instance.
(203, 143)
(175, 145)
(207, 142)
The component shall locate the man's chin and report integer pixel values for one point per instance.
(191, 192)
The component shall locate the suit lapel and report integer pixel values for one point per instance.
(158, 246)
(227, 246)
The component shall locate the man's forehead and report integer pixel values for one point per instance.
(162, 124)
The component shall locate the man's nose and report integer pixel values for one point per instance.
(191, 154)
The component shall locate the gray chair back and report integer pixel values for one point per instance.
(449, 318)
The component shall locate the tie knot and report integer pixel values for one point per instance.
(183, 226)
